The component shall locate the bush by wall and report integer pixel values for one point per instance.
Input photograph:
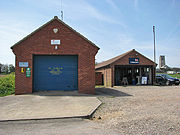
(7, 85)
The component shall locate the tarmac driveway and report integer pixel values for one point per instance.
(45, 105)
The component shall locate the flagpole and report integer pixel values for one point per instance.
(154, 55)
(154, 45)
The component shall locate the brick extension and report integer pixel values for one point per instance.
(72, 43)
(107, 68)
(99, 78)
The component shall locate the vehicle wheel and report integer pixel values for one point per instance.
(167, 83)
(177, 84)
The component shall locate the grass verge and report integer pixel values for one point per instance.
(175, 75)
(7, 85)
(172, 75)
(99, 86)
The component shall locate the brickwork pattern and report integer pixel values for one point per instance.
(108, 71)
(98, 78)
(39, 43)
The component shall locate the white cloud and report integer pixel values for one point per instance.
(11, 31)
(171, 32)
(112, 4)
(122, 43)
(112, 40)
(84, 10)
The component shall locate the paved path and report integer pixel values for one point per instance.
(54, 127)
(41, 106)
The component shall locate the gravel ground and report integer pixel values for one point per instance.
(140, 110)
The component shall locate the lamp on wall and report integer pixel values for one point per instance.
(55, 42)
(55, 30)
(56, 47)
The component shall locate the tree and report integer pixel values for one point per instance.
(11, 68)
(5, 69)
(0, 67)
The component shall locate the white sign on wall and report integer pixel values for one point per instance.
(144, 80)
(55, 42)
(23, 64)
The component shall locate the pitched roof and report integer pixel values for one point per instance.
(55, 18)
(110, 61)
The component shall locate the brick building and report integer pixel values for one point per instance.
(99, 78)
(132, 67)
(54, 57)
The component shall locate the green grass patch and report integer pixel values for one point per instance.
(99, 86)
(3, 74)
(175, 75)
(172, 75)
(7, 85)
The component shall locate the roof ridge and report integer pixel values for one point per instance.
(77, 32)
(112, 60)
(55, 18)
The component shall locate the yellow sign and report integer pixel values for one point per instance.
(22, 70)
(55, 70)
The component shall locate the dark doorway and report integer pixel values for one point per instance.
(102, 79)
(135, 75)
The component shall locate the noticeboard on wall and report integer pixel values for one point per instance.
(144, 80)
(28, 72)
(133, 60)
(55, 42)
(23, 64)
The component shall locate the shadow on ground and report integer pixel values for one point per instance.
(98, 92)
(110, 92)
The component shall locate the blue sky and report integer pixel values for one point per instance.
(116, 26)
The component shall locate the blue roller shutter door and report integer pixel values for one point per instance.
(55, 72)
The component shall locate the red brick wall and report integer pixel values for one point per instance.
(107, 73)
(71, 44)
(142, 61)
(125, 60)
(98, 78)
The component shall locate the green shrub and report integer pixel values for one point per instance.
(7, 85)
